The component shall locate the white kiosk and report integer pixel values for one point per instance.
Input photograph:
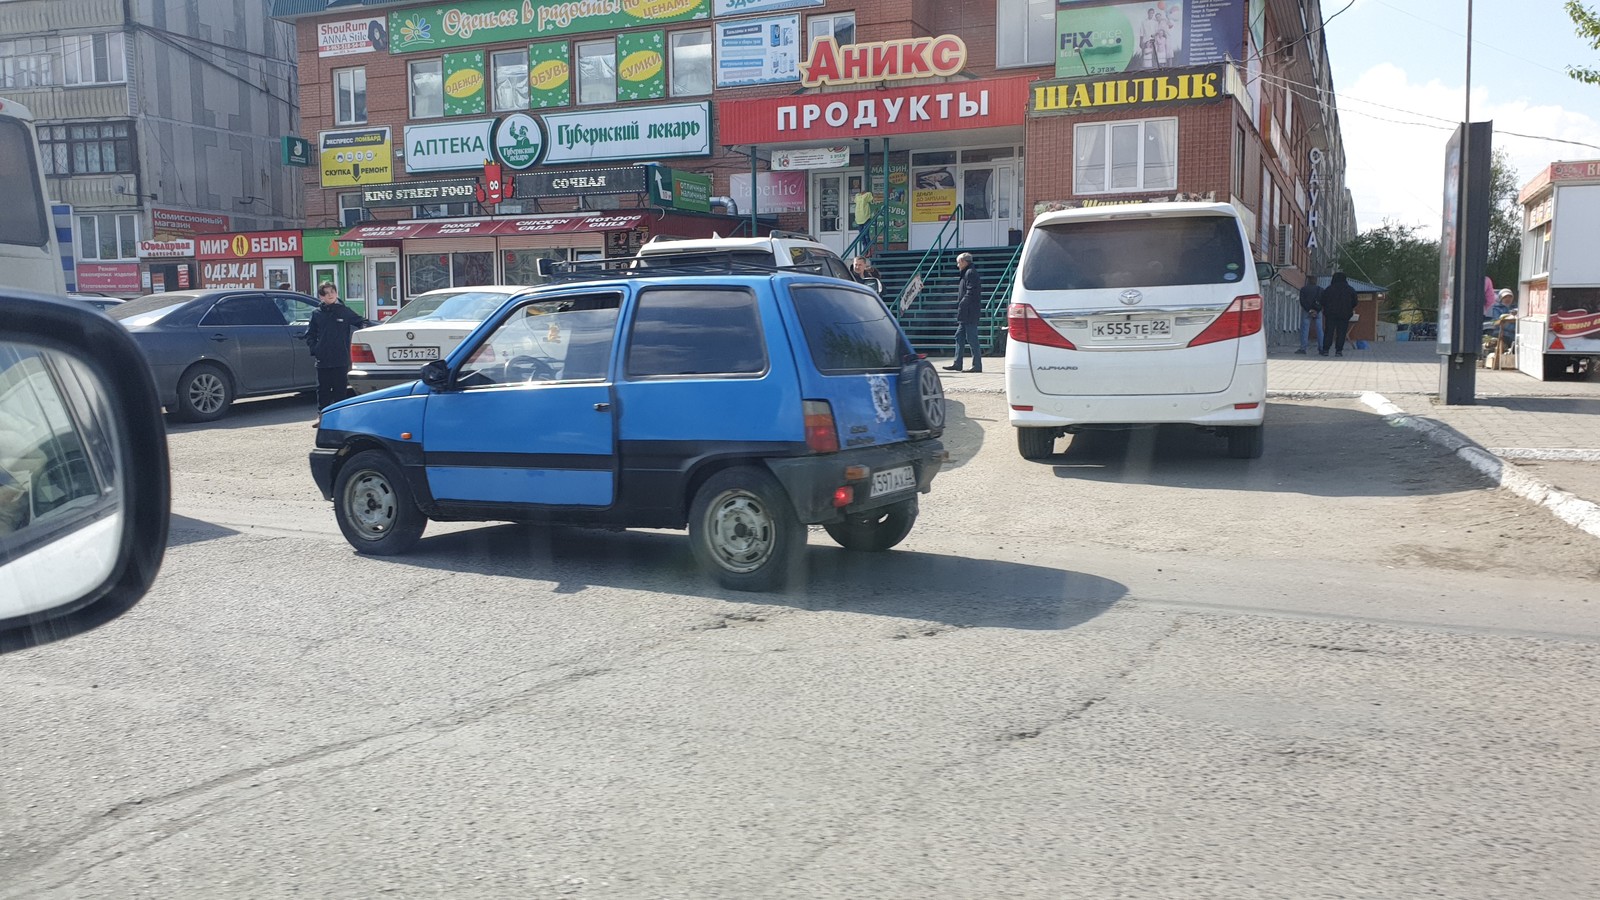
(1558, 321)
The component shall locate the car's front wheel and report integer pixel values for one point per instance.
(1036, 443)
(204, 393)
(375, 507)
(876, 531)
(744, 531)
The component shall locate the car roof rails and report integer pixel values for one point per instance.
(793, 235)
(708, 263)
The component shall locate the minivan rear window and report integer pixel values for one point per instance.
(1122, 253)
(847, 330)
(23, 217)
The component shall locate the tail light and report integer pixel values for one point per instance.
(1242, 318)
(822, 436)
(1028, 328)
(361, 353)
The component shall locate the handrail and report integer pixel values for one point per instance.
(990, 306)
(940, 244)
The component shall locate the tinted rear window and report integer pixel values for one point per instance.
(696, 331)
(1134, 253)
(23, 217)
(847, 330)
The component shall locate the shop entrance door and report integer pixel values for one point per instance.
(833, 212)
(383, 286)
(988, 204)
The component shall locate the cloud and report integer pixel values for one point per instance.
(1395, 170)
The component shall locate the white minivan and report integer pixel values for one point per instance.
(29, 258)
(1135, 315)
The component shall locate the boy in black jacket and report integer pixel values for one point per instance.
(328, 336)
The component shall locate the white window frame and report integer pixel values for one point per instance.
(80, 54)
(672, 62)
(357, 88)
(437, 64)
(351, 200)
(577, 68)
(1108, 156)
(827, 25)
(1018, 25)
(126, 226)
(520, 55)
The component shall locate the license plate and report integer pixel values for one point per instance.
(413, 354)
(1131, 330)
(890, 480)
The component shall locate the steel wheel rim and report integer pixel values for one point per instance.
(206, 393)
(740, 531)
(371, 505)
(932, 398)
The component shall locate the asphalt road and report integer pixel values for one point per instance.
(1140, 669)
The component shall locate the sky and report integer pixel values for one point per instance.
(1399, 68)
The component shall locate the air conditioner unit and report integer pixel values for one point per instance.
(350, 218)
(1283, 248)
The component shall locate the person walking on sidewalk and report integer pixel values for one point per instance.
(328, 337)
(969, 309)
(1338, 306)
(1310, 314)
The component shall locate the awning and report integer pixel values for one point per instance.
(555, 224)
(373, 231)
(570, 224)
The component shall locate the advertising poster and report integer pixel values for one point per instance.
(811, 158)
(356, 157)
(351, 36)
(679, 190)
(934, 204)
(758, 51)
(740, 7)
(898, 199)
(468, 23)
(641, 65)
(549, 75)
(1157, 34)
(780, 192)
(464, 83)
(1449, 223)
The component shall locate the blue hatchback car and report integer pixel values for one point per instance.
(744, 407)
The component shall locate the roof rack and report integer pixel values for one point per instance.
(793, 235)
(710, 263)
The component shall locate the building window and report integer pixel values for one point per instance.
(597, 72)
(511, 79)
(93, 59)
(431, 271)
(1025, 32)
(691, 63)
(1109, 157)
(97, 149)
(441, 210)
(427, 88)
(26, 63)
(1238, 161)
(351, 212)
(840, 27)
(350, 97)
(109, 236)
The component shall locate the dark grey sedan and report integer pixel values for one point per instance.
(208, 348)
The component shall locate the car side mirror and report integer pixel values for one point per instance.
(84, 484)
(1265, 272)
(436, 374)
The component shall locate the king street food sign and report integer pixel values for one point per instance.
(413, 193)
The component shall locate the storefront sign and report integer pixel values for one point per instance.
(419, 193)
(448, 146)
(473, 22)
(296, 151)
(577, 182)
(116, 278)
(641, 132)
(811, 158)
(758, 51)
(1156, 34)
(261, 244)
(231, 274)
(1167, 89)
(781, 192)
(1573, 171)
(322, 245)
(830, 63)
(357, 157)
(518, 141)
(464, 83)
(679, 190)
(178, 221)
(641, 65)
(549, 75)
(351, 36)
(740, 7)
(178, 249)
(923, 109)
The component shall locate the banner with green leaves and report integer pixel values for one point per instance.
(641, 65)
(549, 75)
(464, 83)
(475, 22)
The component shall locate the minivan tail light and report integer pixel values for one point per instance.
(822, 436)
(361, 353)
(1026, 326)
(1242, 318)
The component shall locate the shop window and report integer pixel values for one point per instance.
(841, 27)
(691, 63)
(1536, 252)
(427, 88)
(510, 79)
(350, 96)
(431, 271)
(108, 236)
(1025, 32)
(522, 266)
(1110, 157)
(597, 72)
(96, 149)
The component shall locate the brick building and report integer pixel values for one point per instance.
(963, 119)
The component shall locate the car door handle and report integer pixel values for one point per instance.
(602, 407)
(219, 338)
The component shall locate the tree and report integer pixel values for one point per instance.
(1505, 222)
(1393, 255)
(1588, 22)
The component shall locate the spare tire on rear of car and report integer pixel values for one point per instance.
(921, 396)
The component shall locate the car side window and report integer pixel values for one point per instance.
(247, 309)
(838, 269)
(297, 310)
(696, 331)
(563, 340)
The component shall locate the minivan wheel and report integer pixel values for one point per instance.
(1036, 443)
(204, 394)
(744, 531)
(1247, 442)
(375, 507)
(877, 530)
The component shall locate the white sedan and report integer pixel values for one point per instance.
(426, 329)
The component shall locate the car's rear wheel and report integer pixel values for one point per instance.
(1247, 442)
(204, 393)
(877, 530)
(375, 507)
(744, 531)
(1036, 443)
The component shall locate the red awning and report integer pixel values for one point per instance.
(570, 224)
(470, 228)
(554, 224)
(376, 231)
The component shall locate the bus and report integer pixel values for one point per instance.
(29, 257)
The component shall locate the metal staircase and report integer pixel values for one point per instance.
(930, 319)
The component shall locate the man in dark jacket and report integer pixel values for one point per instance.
(1310, 314)
(328, 336)
(1338, 305)
(969, 309)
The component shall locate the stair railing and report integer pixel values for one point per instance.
(949, 236)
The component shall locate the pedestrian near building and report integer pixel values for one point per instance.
(328, 337)
(866, 274)
(864, 205)
(1338, 306)
(1310, 314)
(969, 310)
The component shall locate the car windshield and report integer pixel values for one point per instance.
(847, 330)
(462, 306)
(1135, 252)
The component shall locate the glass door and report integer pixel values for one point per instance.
(383, 285)
(833, 215)
(977, 206)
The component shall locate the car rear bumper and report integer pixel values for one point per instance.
(364, 381)
(812, 480)
(1243, 403)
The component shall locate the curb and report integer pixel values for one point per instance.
(1566, 506)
